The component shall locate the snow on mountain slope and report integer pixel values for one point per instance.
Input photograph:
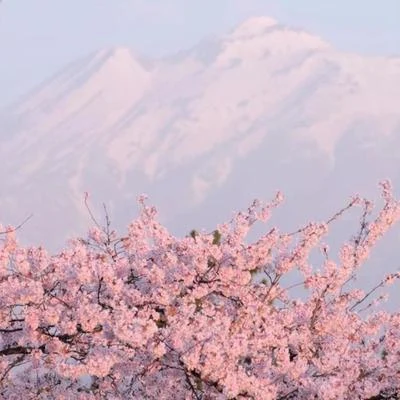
(261, 108)
(75, 100)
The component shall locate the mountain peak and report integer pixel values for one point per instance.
(254, 26)
(119, 57)
(119, 53)
(261, 37)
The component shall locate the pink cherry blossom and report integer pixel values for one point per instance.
(152, 316)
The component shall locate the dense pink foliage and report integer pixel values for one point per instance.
(152, 316)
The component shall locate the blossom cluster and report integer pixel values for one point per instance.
(152, 316)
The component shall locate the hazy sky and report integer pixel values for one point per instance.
(37, 37)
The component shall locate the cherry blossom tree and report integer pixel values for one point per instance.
(152, 316)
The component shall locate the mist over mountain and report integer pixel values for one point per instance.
(202, 132)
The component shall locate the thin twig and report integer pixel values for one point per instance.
(367, 295)
(329, 221)
(18, 226)
(90, 212)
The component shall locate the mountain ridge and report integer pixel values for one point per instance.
(184, 128)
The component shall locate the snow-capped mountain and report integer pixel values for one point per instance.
(203, 132)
